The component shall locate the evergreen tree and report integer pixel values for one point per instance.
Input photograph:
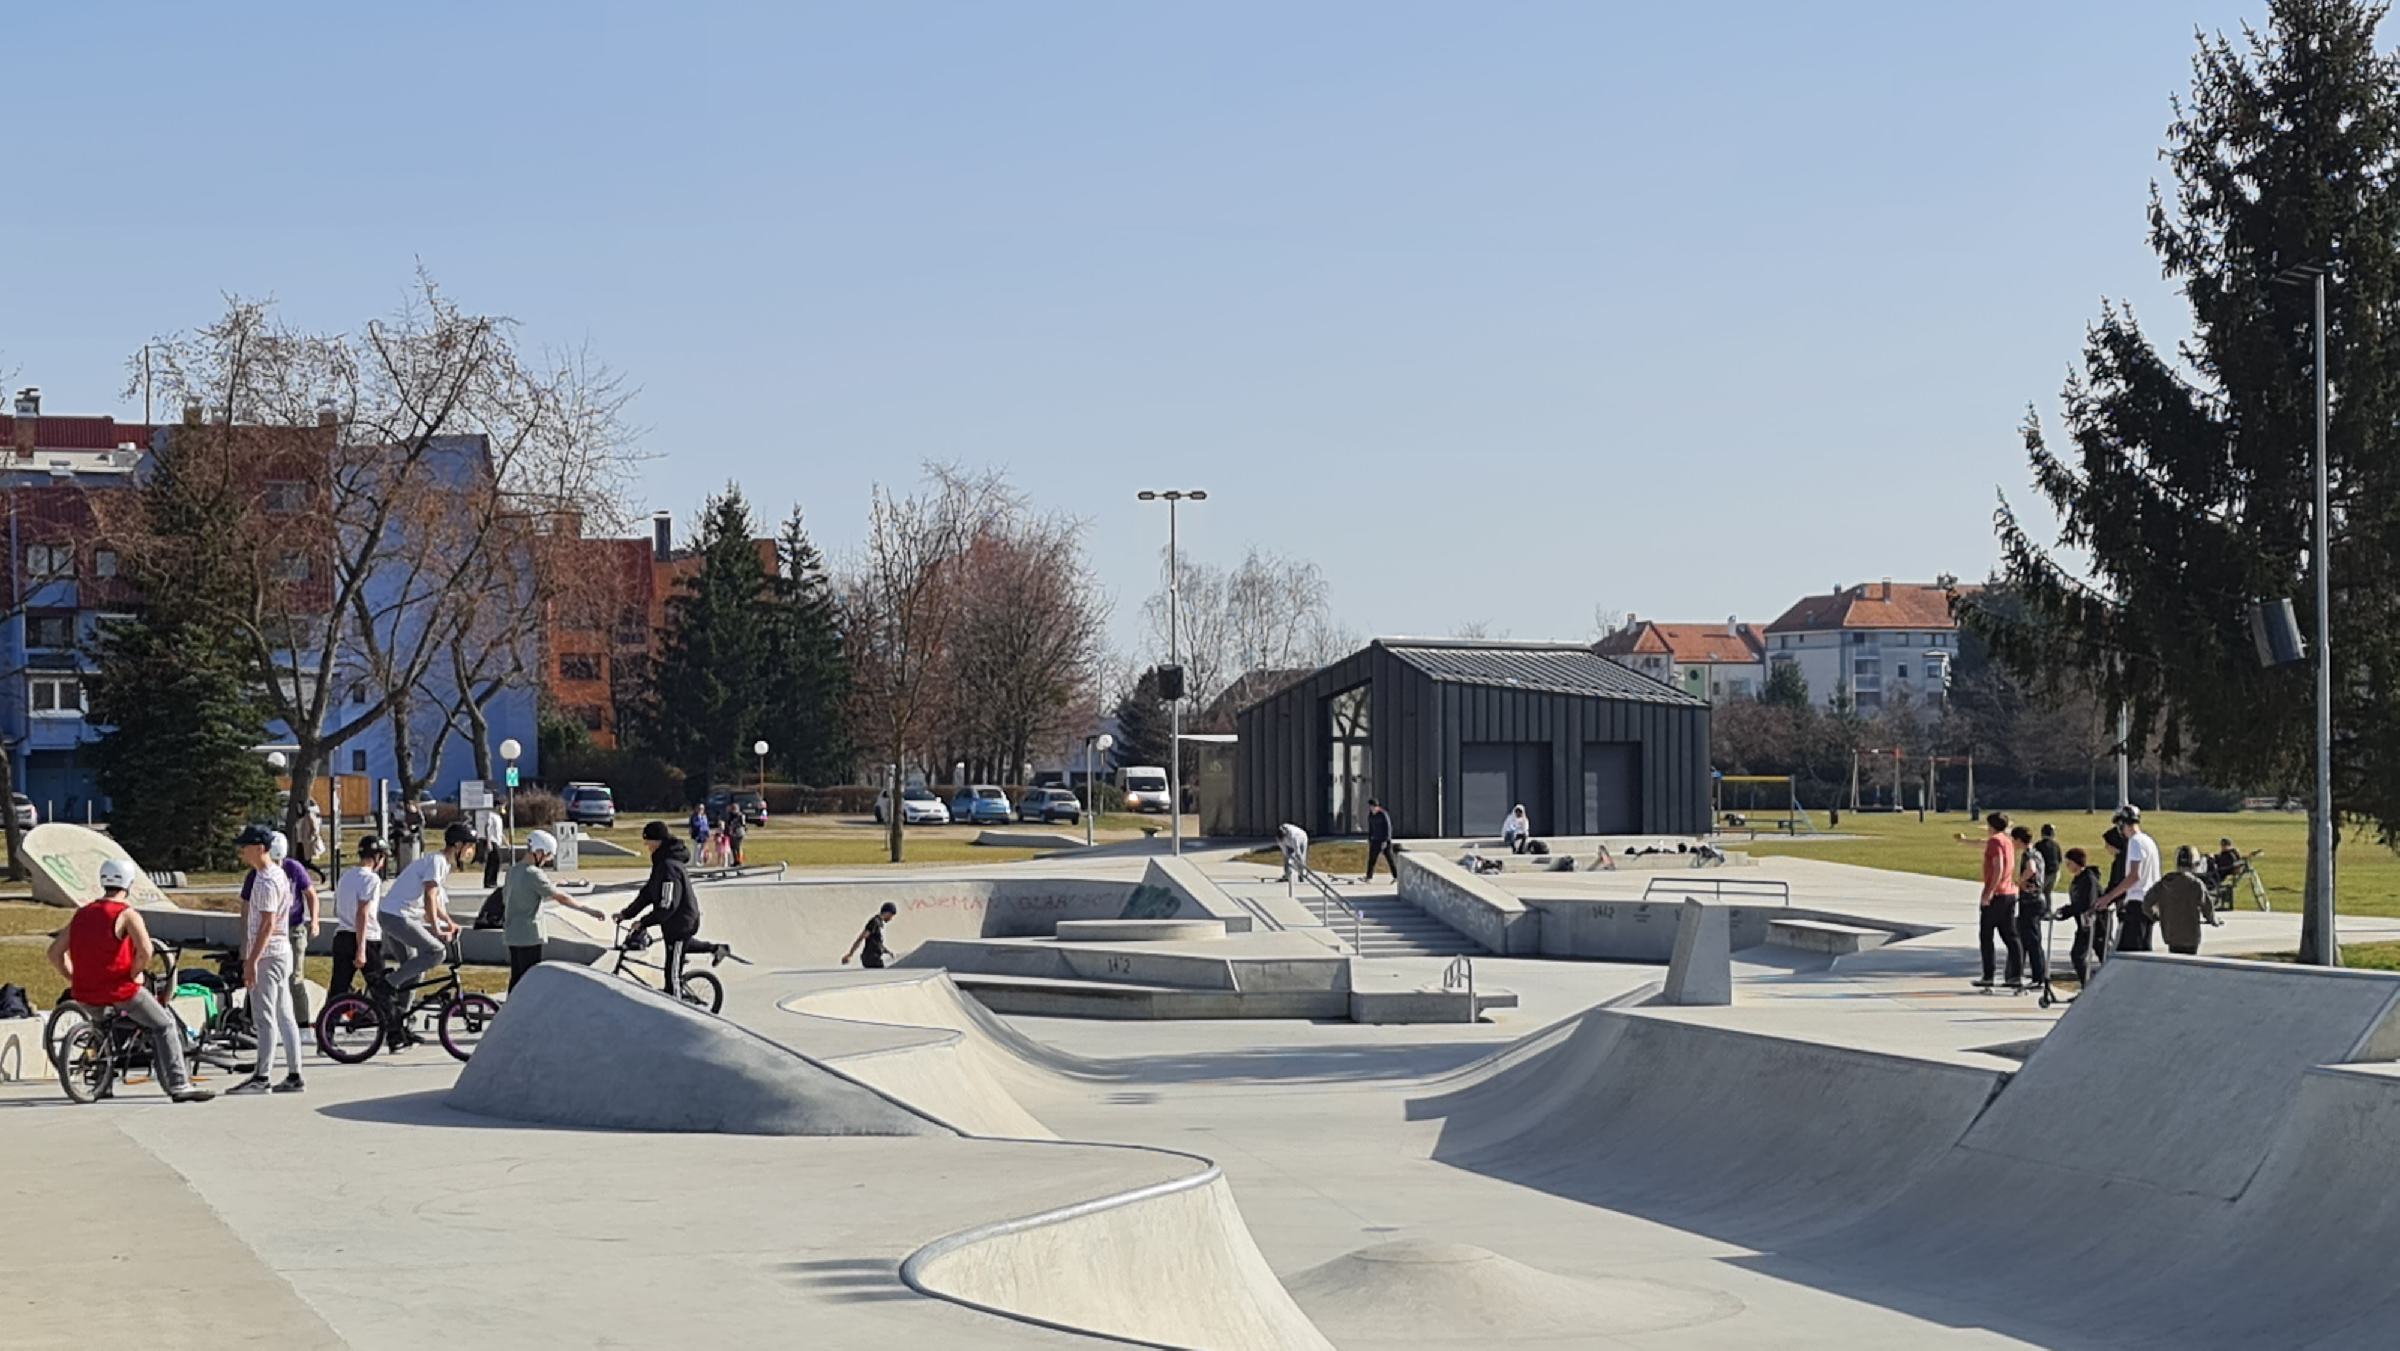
(708, 694)
(807, 681)
(1786, 687)
(1144, 728)
(2187, 480)
(179, 766)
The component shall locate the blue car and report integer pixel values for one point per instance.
(979, 805)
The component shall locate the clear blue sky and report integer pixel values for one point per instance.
(1497, 311)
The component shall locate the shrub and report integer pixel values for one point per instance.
(538, 807)
(639, 782)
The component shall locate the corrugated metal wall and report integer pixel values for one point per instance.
(1419, 723)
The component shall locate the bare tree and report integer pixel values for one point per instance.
(1271, 613)
(1029, 642)
(902, 600)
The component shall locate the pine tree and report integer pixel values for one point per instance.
(2187, 480)
(808, 687)
(1786, 687)
(179, 765)
(708, 693)
(1144, 729)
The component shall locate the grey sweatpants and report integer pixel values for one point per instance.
(271, 1009)
(418, 951)
(166, 1039)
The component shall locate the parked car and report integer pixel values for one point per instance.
(980, 804)
(1049, 804)
(752, 806)
(1146, 789)
(589, 804)
(27, 817)
(918, 807)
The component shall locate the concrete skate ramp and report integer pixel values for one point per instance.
(936, 1061)
(1171, 1265)
(1448, 1295)
(811, 924)
(63, 865)
(577, 1048)
(1753, 1138)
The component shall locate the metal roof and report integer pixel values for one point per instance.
(1554, 668)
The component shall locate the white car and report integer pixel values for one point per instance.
(918, 807)
(27, 817)
(1146, 789)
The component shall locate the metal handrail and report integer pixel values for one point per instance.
(1332, 899)
(1718, 888)
(1461, 974)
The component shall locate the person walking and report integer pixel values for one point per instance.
(1379, 841)
(521, 900)
(666, 899)
(737, 829)
(101, 954)
(308, 837)
(494, 829)
(2130, 896)
(700, 829)
(2083, 892)
(2052, 857)
(2033, 902)
(2180, 903)
(875, 953)
(1997, 910)
(357, 935)
(267, 961)
(415, 917)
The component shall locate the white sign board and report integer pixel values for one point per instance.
(474, 795)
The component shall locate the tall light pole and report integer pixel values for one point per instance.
(2320, 901)
(1174, 659)
(509, 751)
(759, 749)
(1099, 743)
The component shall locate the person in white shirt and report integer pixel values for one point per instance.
(1516, 830)
(415, 916)
(358, 934)
(267, 962)
(2143, 868)
(1295, 849)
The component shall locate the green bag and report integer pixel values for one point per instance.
(206, 996)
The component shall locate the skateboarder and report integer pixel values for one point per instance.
(1295, 850)
(871, 939)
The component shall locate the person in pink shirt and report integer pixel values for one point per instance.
(1998, 908)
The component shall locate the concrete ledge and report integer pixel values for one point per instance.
(1174, 888)
(1818, 935)
(1467, 903)
(1068, 998)
(576, 1048)
(1139, 930)
(1435, 1005)
(1028, 839)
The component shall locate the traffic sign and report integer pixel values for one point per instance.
(512, 776)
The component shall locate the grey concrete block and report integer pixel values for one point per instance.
(1701, 971)
(573, 1047)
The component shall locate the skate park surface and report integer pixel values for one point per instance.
(1862, 1152)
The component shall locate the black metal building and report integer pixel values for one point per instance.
(1452, 734)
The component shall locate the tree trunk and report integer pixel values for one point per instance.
(892, 812)
(8, 796)
(304, 781)
(2317, 946)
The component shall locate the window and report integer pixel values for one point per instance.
(50, 562)
(50, 630)
(358, 762)
(590, 716)
(358, 691)
(57, 696)
(104, 562)
(284, 499)
(578, 666)
(1901, 670)
(293, 567)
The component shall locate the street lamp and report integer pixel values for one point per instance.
(2320, 901)
(509, 751)
(1174, 659)
(759, 749)
(1100, 743)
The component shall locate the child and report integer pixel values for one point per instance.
(2082, 893)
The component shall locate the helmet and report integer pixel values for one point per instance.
(254, 834)
(2128, 815)
(372, 847)
(456, 834)
(116, 875)
(279, 846)
(541, 842)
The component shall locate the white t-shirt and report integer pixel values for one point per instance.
(270, 895)
(1295, 840)
(1514, 825)
(2141, 866)
(406, 896)
(359, 886)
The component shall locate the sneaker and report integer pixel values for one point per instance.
(291, 1084)
(190, 1095)
(256, 1083)
(1984, 984)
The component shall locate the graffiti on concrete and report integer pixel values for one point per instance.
(1151, 902)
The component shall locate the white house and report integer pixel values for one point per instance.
(1876, 640)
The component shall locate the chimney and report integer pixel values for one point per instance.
(29, 414)
(662, 535)
(326, 416)
(1887, 588)
(191, 412)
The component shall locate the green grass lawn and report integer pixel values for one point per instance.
(1334, 858)
(2368, 874)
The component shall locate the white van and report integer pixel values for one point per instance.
(1145, 789)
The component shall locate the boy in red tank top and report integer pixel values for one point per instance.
(101, 952)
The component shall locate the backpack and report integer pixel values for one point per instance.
(14, 1003)
(494, 914)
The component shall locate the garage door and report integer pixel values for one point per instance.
(1497, 775)
(1612, 788)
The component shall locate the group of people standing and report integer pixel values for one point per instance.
(718, 837)
(2134, 903)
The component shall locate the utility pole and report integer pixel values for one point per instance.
(1173, 497)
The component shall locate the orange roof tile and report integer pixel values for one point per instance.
(1870, 605)
(1688, 644)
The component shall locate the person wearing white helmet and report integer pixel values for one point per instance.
(521, 900)
(101, 953)
(304, 921)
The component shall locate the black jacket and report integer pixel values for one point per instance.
(668, 895)
(1379, 827)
